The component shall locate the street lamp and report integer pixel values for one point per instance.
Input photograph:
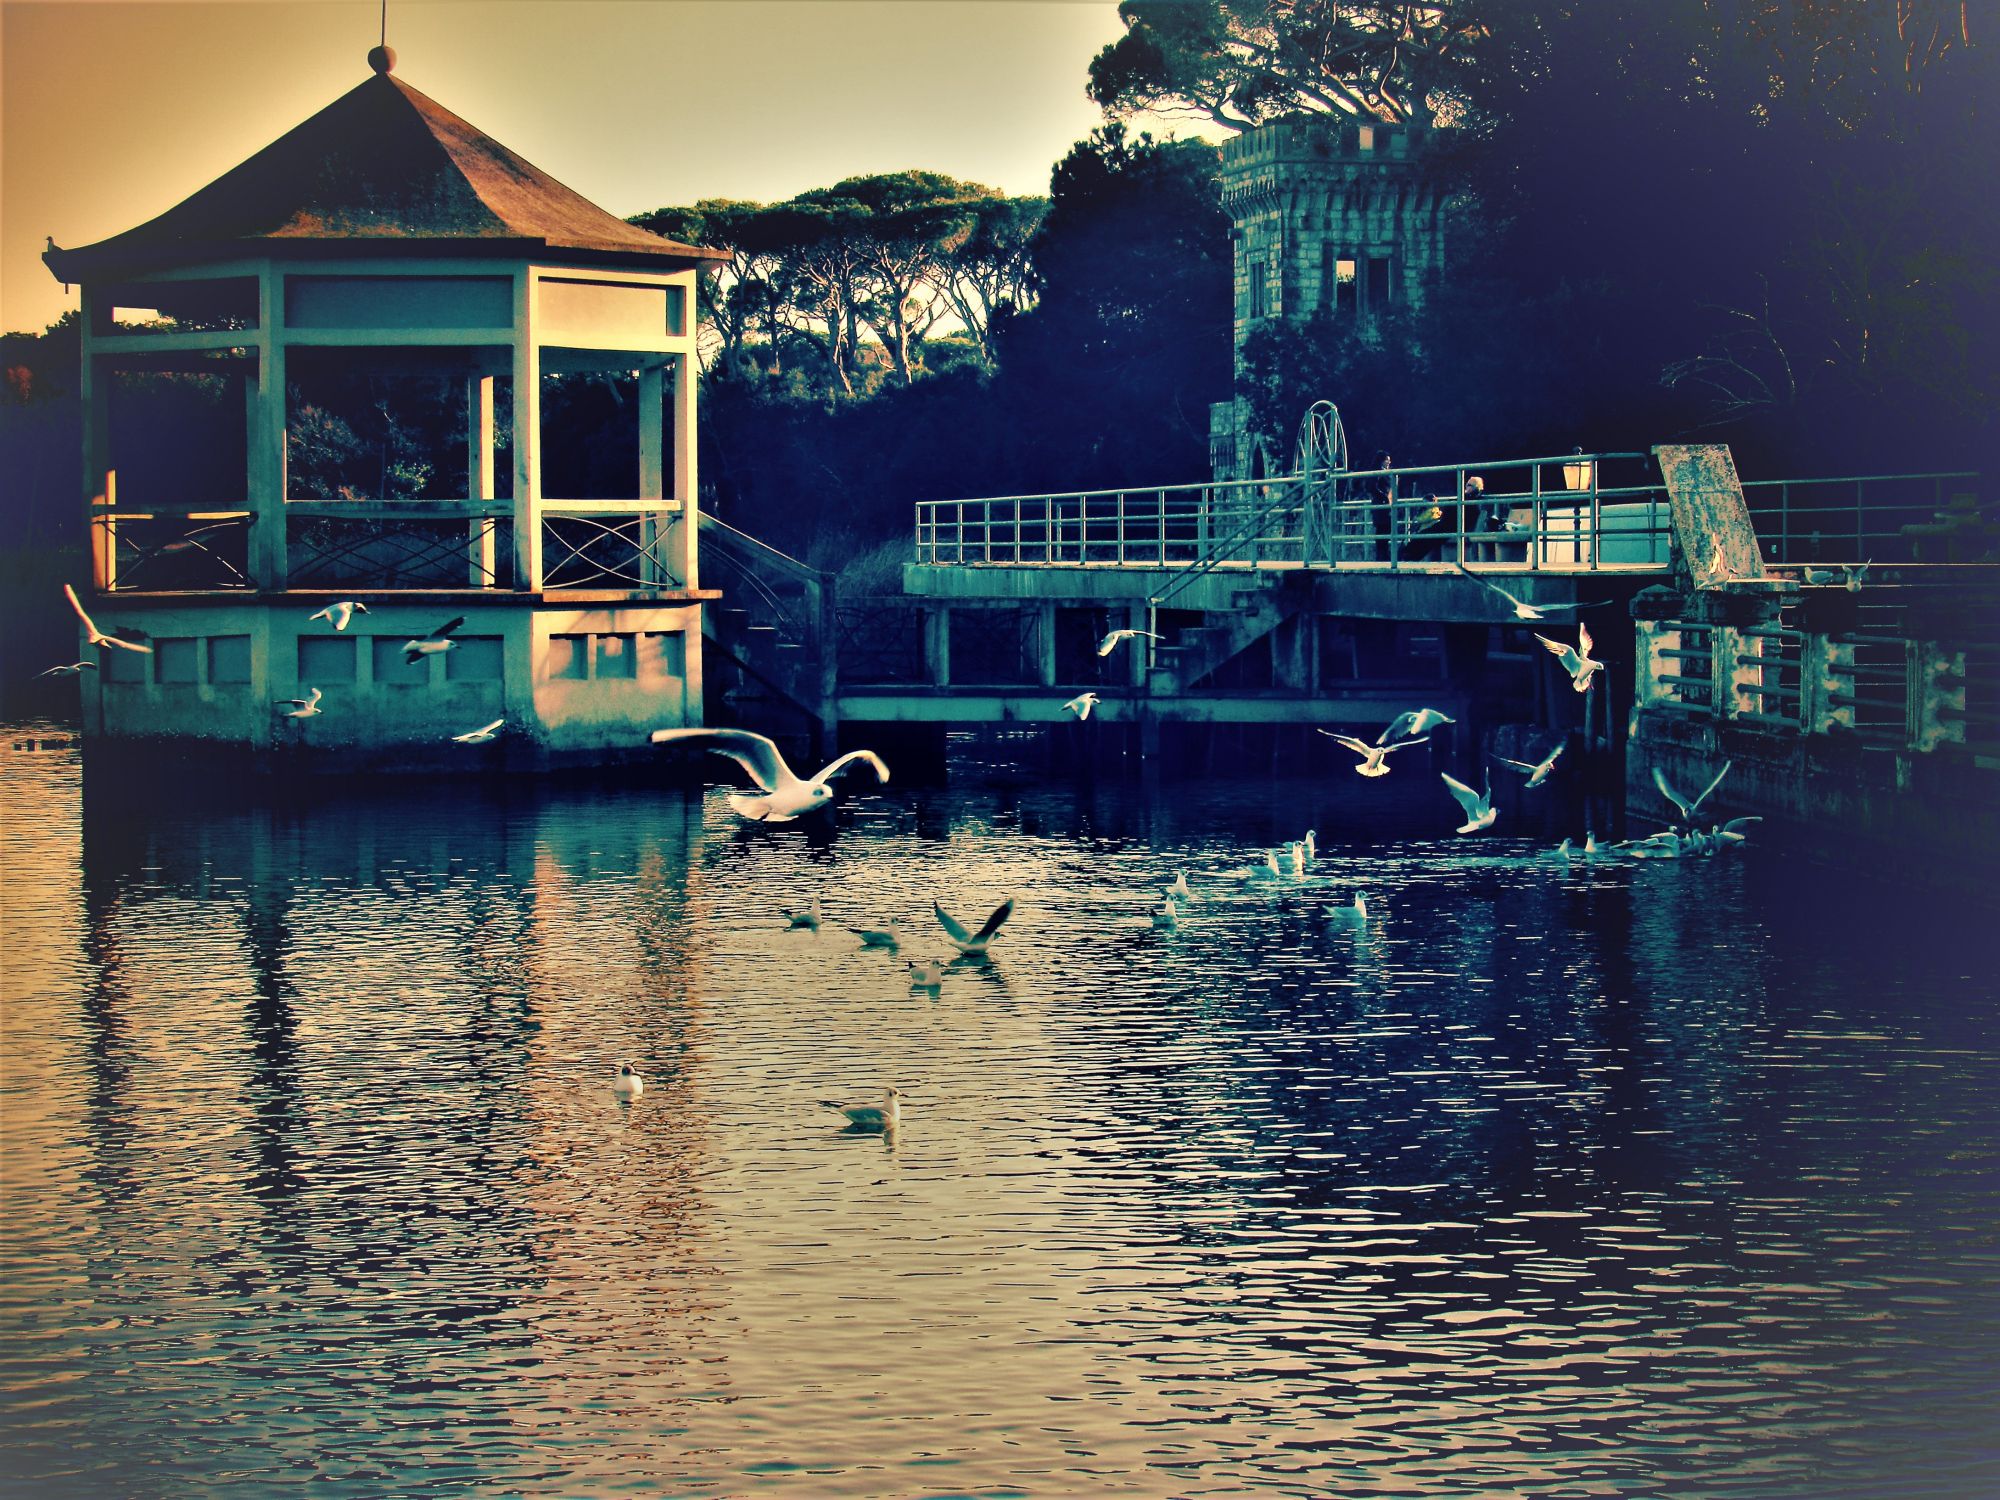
(1579, 472)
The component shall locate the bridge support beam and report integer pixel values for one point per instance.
(937, 645)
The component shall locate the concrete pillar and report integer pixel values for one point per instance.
(265, 426)
(937, 645)
(1045, 645)
(1138, 617)
(1650, 638)
(654, 567)
(481, 562)
(1291, 655)
(1825, 666)
(683, 545)
(1937, 696)
(1735, 683)
(527, 438)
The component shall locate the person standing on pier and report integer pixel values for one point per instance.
(1381, 495)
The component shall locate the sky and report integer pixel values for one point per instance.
(111, 113)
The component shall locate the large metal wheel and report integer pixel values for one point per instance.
(1319, 459)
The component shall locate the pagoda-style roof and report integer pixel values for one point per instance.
(379, 168)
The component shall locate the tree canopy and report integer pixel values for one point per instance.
(1238, 63)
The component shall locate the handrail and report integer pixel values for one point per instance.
(763, 550)
(1215, 555)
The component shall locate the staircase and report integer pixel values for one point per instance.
(772, 635)
(1256, 609)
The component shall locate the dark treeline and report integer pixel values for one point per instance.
(1764, 223)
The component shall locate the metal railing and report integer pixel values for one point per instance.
(1555, 513)
(396, 545)
(172, 548)
(591, 545)
(1884, 518)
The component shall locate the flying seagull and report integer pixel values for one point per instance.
(1110, 642)
(1525, 611)
(868, 1116)
(628, 1084)
(1082, 704)
(1371, 755)
(73, 669)
(1411, 725)
(1576, 660)
(98, 637)
(973, 942)
(482, 736)
(430, 645)
(1538, 772)
(302, 708)
(1478, 806)
(337, 615)
(1686, 807)
(785, 795)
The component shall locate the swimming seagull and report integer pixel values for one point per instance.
(887, 1117)
(483, 736)
(337, 615)
(98, 637)
(1478, 806)
(1538, 772)
(628, 1084)
(1082, 704)
(1165, 917)
(1562, 851)
(1180, 887)
(1355, 915)
(73, 669)
(890, 936)
(808, 919)
(1731, 833)
(1110, 642)
(1523, 611)
(785, 796)
(973, 942)
(303, 708)
(1268, 870)
(1576, 659)
(1371, 755)
(1416, 722)
(430, 645)
(1687, 808)
(927, 976)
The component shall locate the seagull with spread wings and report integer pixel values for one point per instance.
(1576, 660)
(1538, 771)
(1413, 724)
(1522, 609)
(973, 942)
(70, 669)
(430, 645)
(1479, 811)
(1110, 642)
(1081, 705)
(786, 795)
(339, 613)
(1371, 755)
(484, 735)
(1686, 807)
(98, 637)
(302, 708)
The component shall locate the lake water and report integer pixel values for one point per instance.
(1631, 1179)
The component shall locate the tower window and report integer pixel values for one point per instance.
(1379, 282)
(1344, 286)
(1259, 290)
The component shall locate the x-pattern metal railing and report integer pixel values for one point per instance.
(597, 552)
(330, 551)
(213, 555)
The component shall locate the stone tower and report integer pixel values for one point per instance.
(1329, 214)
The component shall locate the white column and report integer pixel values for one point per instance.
(264, 400)
(480, 559)
(653, 526)
(100, 480)
(684, 546)
(527, 437)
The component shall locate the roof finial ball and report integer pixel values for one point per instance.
(382, 59)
